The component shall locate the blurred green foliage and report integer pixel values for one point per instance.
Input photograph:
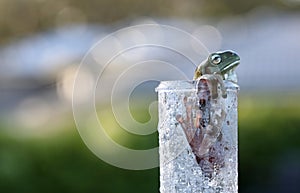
(269, 142)
(64, 164)
(268, 131)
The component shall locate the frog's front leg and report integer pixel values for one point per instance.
(213, 129)
(216, 110)
(214, 80)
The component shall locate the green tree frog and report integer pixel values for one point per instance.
(205, 128)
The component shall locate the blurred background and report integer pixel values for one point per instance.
(43, 42)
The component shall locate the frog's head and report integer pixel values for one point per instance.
(218, 62)
(225, 61)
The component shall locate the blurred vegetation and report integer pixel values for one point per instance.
(64, 164)
(268, 136)
(19, 18)
(268, 142)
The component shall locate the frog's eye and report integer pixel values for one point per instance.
(216, 59)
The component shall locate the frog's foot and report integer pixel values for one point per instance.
(189, 123)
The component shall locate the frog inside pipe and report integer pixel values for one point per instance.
(204, 129)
